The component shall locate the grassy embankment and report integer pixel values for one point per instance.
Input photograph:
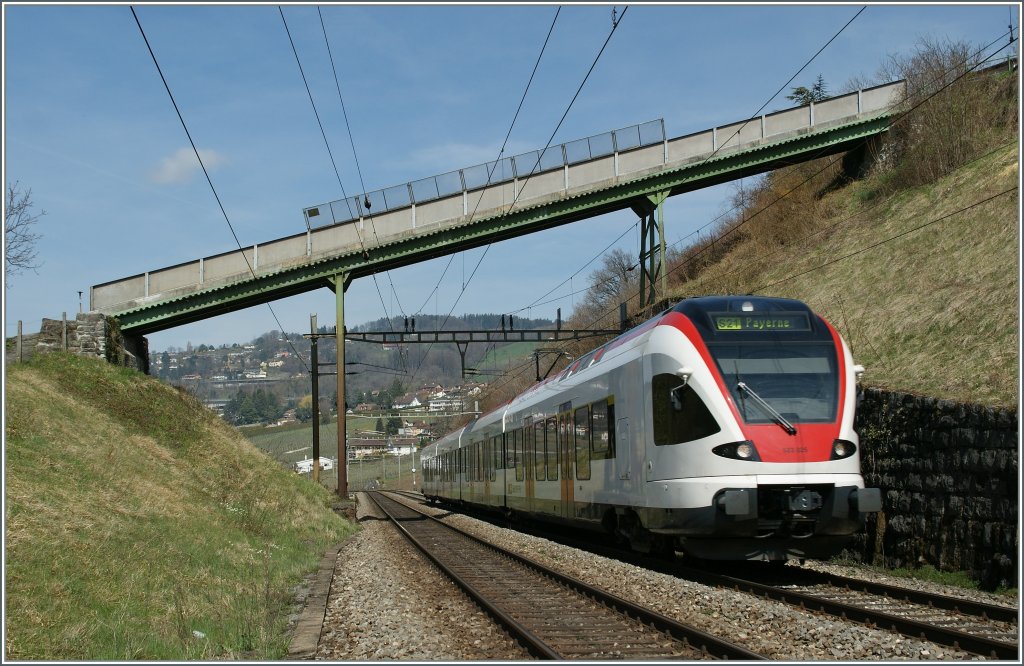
(140, 526)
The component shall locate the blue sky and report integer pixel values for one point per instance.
(90, 129)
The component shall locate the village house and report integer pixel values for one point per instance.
(407, 401)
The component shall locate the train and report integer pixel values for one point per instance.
(722, 428)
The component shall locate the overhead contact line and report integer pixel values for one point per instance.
(334, 164)
(209, 181)
(901, 118)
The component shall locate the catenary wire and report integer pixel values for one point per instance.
(504, 144)
(887, 240)
(206, 173)
(334, 164)
(514, 373)
(766, 103)
(501, 152)
(548, 145)
(898, 120)
(355, 155)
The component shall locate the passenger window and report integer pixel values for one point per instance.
(551, 450)
(517, 455)
(679, 413)
(509, 450)
(538, 449)
(582, 436)
(495, 457)
(602, 434)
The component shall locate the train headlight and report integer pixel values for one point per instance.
(842, 449)
(737, 451)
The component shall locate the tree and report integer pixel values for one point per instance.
(304, 410)
(608, 284)
(804, 96)
(393, 425)
(19, 238)
(379, 427)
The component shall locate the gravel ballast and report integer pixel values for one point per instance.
(386, 603)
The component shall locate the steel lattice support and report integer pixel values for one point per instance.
(652, 246)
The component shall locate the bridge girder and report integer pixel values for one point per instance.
(644, 193)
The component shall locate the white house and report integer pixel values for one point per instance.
(407, 401)
(306, 466)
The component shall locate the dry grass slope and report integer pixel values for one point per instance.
(925, 295)
(135, 517)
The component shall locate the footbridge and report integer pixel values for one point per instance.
(637, 167)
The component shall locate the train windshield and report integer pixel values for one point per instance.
(799, 381)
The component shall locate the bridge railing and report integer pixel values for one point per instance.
(476, 177)
(529, 164)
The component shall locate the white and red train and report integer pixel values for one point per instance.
(723, 427)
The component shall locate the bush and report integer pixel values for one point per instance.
(956, 111)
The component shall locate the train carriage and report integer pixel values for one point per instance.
(723, 427)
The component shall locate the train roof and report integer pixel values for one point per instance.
(751, 318)
(698, 309)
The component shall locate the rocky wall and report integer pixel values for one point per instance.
(949, 475)
(88, 334)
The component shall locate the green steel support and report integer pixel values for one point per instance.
(652, 247)
(314, 362)
(341, 282)
(183, 308)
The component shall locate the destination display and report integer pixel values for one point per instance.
(775, 321)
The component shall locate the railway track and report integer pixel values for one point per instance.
(553, 616)
(984, 629)
(987, 630)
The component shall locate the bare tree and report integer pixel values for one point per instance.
(19, 236)
(610, 282)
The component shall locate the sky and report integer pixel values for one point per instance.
(90, 129)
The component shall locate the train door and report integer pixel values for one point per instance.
(567, 455)
(623, 449)
(526, 439)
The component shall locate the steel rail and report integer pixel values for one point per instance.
(965, 606)
(698, 639)
(949, 637)
(531, 641)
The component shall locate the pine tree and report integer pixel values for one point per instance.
(804, 96)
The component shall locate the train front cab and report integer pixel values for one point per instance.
(751, 452)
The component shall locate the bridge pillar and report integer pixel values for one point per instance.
(339, 283)
(652, 247)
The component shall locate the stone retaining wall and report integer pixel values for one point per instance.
(88, 334)
(949, 478)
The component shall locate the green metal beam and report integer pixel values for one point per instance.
(641, 191)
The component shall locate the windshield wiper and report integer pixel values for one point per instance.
(767, 409)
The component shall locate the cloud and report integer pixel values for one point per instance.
(180, 167)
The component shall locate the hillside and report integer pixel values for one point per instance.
(923, 283)
(140, 526)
